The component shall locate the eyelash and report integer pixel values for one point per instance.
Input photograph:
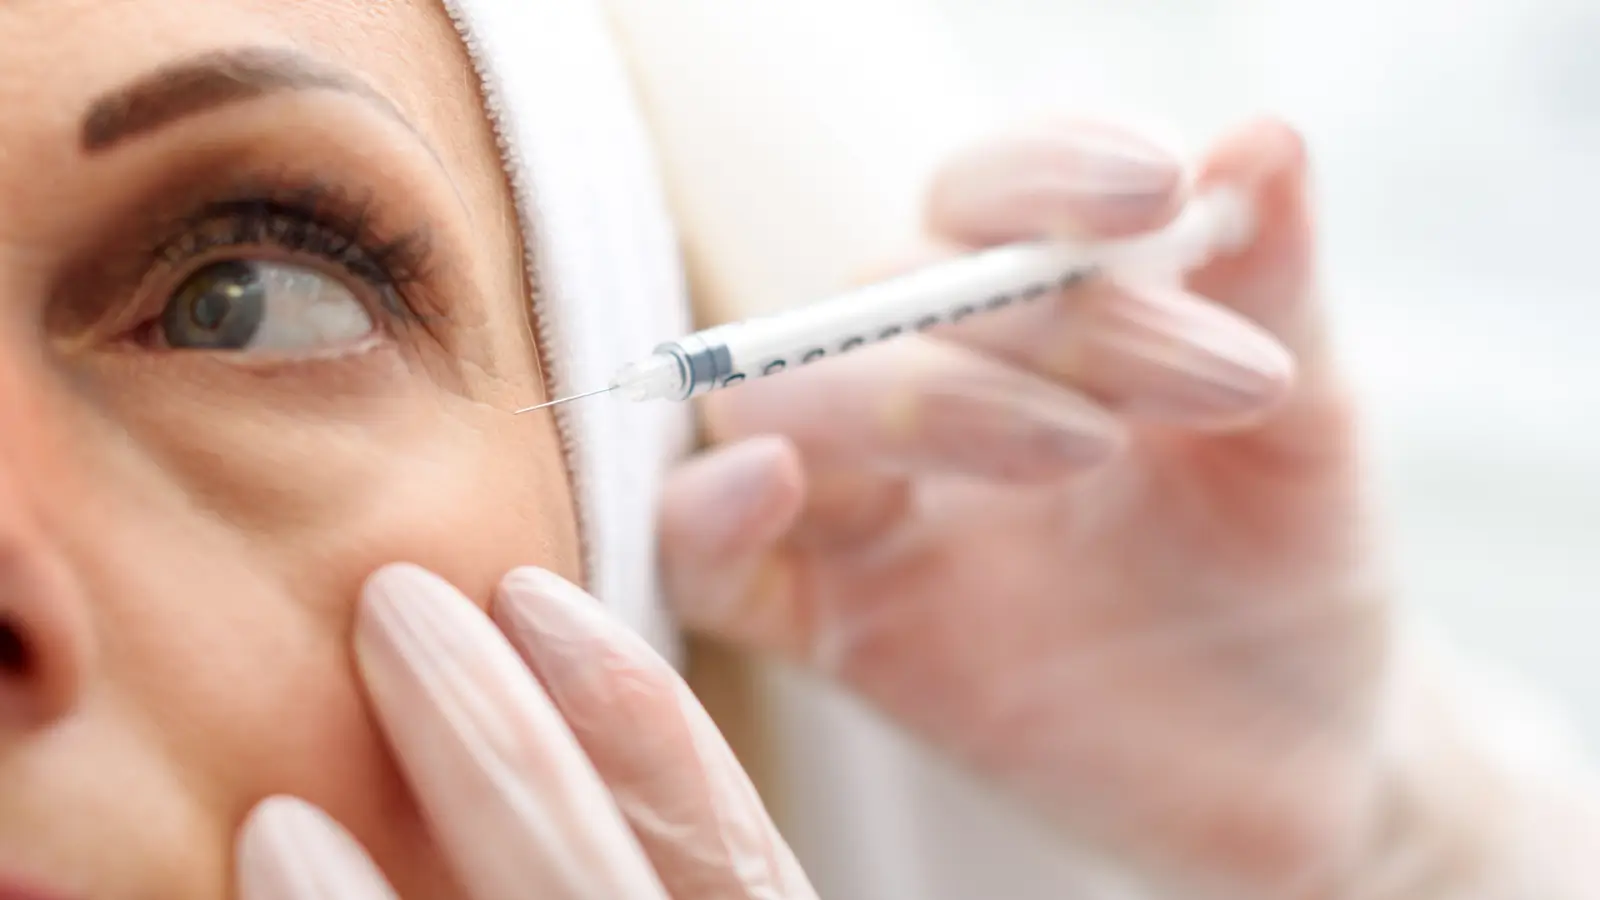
(316, 220)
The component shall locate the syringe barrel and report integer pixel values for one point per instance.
(727, 355)
(945, 293)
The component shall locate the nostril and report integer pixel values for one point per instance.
(44, 637)
(16, 654)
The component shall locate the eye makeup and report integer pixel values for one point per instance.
(319, 220)
(346, 234)
(306, 221)
(310, 183)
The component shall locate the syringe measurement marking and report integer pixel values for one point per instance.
(997, 302)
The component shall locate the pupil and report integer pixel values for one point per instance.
(209, 310)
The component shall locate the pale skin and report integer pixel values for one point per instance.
(184, 532)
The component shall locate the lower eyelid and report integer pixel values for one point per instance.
(357, 347)
(358, 373)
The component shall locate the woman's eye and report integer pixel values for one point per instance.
(266, 306)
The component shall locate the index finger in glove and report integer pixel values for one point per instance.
(1150, 350)
(1060, 177)
(675, 779)
(514, 802)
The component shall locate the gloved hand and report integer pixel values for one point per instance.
(1106, 549)
(602, 777)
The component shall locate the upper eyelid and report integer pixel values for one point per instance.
(247, 153)
(400, 259)
(334, 229)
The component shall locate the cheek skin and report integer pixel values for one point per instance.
(417, 474)
(95, 785)
(256, 590)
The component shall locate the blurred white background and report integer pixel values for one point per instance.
(1456, 144)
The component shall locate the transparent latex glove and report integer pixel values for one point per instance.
(568, 762)
(1105, 549)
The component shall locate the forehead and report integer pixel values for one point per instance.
(57, 56)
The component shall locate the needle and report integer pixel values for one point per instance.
(561, 400)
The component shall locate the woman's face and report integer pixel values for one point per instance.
(261, 322)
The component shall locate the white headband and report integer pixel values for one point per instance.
(604, 265)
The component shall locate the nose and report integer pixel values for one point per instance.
(42, 641)
(44, 624)
(43, 638)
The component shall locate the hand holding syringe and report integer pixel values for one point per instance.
(990, 280)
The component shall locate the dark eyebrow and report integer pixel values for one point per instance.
(203, 83)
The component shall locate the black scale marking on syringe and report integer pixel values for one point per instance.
(995, 303)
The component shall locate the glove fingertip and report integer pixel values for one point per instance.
(291, 850)
(723, 518)
(733, 501)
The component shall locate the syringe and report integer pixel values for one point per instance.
(945, 293)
